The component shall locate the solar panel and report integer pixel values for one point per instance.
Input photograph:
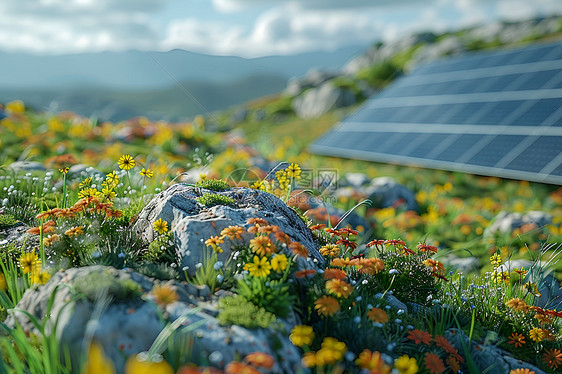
(493, 113)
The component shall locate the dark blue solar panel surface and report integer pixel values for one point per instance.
(496, 113)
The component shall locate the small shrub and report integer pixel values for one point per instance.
(158, 271)
(236, 310)
(93, 284)
(210, 200)
(7, 220)
(162, 249)
(213, 184)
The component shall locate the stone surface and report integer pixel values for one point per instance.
(318, 101)
(194, 223)
(312, 79)
(463, 264)
(506, 222)
(84, 171)
(127, 327)
(21, 166)
(385, 192)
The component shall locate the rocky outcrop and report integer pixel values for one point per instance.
(385, 192)
(318, 101)
(193, 223)
(506, 222)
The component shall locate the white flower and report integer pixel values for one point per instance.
(218, 265)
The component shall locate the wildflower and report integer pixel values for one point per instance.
(97, 362)
(406, 365)
(442, 342)
(334, 274)
(373, 362)
(453, 364)
(74, 231)
(40, 277)
(330, 250)
(299, 249)
(3, 283)
(427, 248)
(259, 267)
(146, 173)
(522, 272)
(543, 319)
(319, 226)
(88, 192)
(518, 305)
(164, 295)
(522, 371)
(232, 232)
(293, 171)
(327, 305)
(260, 359)
(282, 238)
(258, 185)
(45, 228)
(537, 334)
(262, 245)
(143, 363)
(48, 241)
(347, 243)
(301, 335)
(518, 340)
(304, 273)
(552, 358)
(29, 262)
(435, 265)
(378, 315)
(339, 288)
(279, 263)
(495, 260)
(341, 262)
(419, 336)
(331, 352)
(126, 162)
(160, 226)
(309, 360)
(86, 182)
(108, 192)
(532, 288)
(433, 363)
(112, 179)
(397, 243)
(240, 368)
(500, 276)
(214, 242)
(64, 170)
(256, 221)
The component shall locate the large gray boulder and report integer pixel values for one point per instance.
(193, 223)
(318, 101)
(21, 166)
(385, 192)
(128, 325)
(506, 222)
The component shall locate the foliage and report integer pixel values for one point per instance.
(380, 75)
(95, 283)
(7, 220)
(213, 184)
(236, 310)
(272, 295)
(161, 250)
(211, 199)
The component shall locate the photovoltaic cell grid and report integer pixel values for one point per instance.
(494, 113)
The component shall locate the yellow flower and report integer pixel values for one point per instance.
(142, 364)
(279, 263)
(16, 106)
(214, 242)
(126, 162)
(146, 173)
(537, 334)
(74, 231)
(496, 260)
(160, 226)
(88, 192)
(258, 185)
(29, 262)
(259, 267)
(232, 232)
(339, 288)
(3, 283)
(406, 365)
(40, 277)
(112, 179)
(97, 362)
(85, 182)
(373, 362)
(335, 345)
(108, 192)
(301, 335)
(64, 170)
(293, 171)
(164, 295)
(262, 245)
(48, 241)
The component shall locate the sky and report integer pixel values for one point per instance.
(247, 28)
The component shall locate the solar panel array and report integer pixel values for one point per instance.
(494, 113)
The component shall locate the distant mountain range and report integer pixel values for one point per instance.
(170, 85)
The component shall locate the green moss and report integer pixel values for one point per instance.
(7, 220)
(162, 249)
(236, 310)
(158, 271)
(210, 199)
(381, 74)
(213, 184)
(93, 284)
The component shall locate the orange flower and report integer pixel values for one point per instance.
(260, 359)
(378, 315)
(47, 242)
(309, 359)
(299, 249)
(164, 295)
(45, 228)
(262, 245)
(543, 319)
(334, 274)
(552, 358)
(74, 231)
(257, 221)
(339, 288)
(319, 226)
(330, 250)
(327, 305)
(453, 364)
(232, 232)
(442, 342)
(281, 237)
(304, 273)
(341, 262)
(433, 363)
(240, 368)
(522, 371)
(426, 247)
(419, 336)
(518, 340)
(373, 362)
(435, 265)
(518, 305)
(269, 229)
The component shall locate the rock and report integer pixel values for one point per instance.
(318, 101)
(84, 171)
(449, 46)
(312, 79)
(193, 223)
(463, 264)
(506, 222)
(239, 115)
(127, 326)
(385, 192)
(355, 180)
(19, 166)
(488, 358)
